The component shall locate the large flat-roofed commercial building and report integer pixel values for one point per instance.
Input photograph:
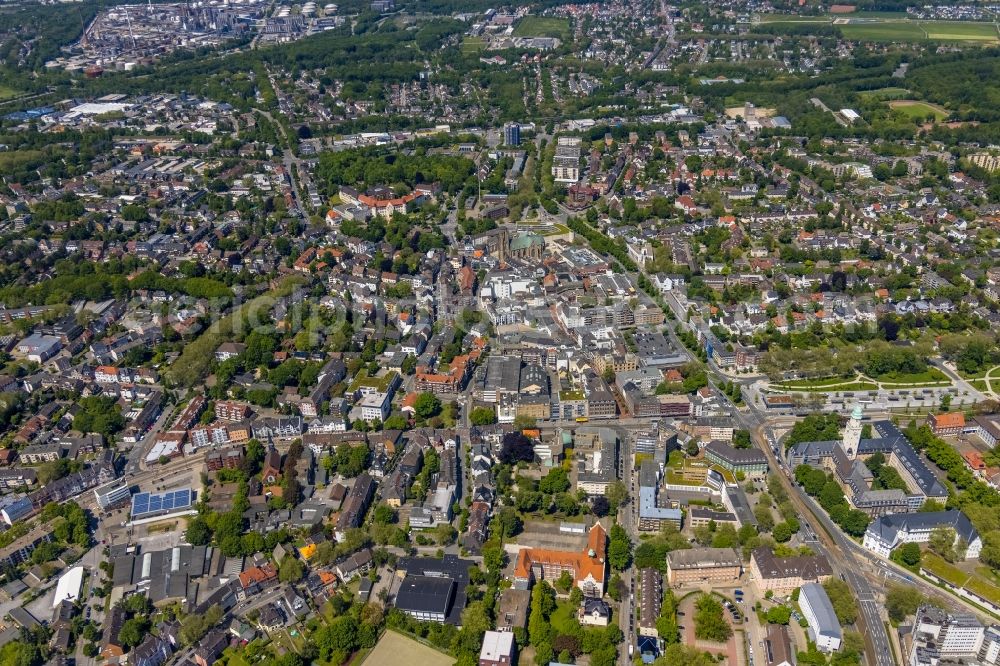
(751, 462)
(148, 505)
(824, 628)
(426, 598)
(112, 495)
(940, 637)
(566, 161)
(602, 470)
(652, 517)
(697, 566)
(782, 575)
(699, 516)
(735, 499)
(433, 589)
(68, 587)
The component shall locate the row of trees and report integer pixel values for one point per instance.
(830, 495)
(567, 640)
(710, 623)
(369, 167)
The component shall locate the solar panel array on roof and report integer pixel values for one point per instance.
(144, 504)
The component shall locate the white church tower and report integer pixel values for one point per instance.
(852, 433)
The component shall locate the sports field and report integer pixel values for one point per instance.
(473, 44)
(543, 26)
(884, 94)
(898, 28)
(395, 648)
(919, 110)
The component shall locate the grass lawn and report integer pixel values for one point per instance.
(889, 30)
(234, 657)
(543, 26)
(563, 619)
(557, 230)
(885, 93)
(893, 27)
(473, 44)
(816, 383)
(879, 15)
(973, 582)
(395, 648)
(7, 93)
(881, 31)
(929, 376)
(951, 31)
(830, 388)
(792, 18)
(919, 110)
(285, 639)
(677, 479)
(726, 474)
(988, 574)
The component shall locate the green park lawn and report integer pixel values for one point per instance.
(827, 387)
(929, 376)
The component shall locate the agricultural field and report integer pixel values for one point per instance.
(883, 31)
(954, 31)
(791, 18)
(395, 648)
(543, 26)
(919, 110)
(887, 27)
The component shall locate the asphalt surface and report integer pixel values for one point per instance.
(842, 556)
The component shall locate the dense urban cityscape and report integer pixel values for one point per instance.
(595, 333)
